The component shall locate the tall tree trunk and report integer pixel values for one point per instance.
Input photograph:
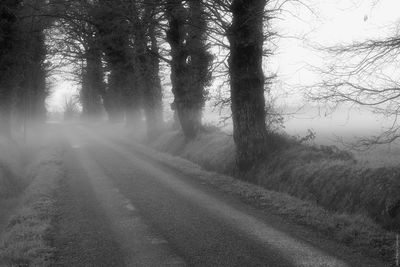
(190, 72)
(199, 62)
(153, 92)
(116, 99)
(176, 37)
(33, 88)
(114, 32)
(39, 88)
(146, 66)
(247, 81)
(92, 85)
(5, 119)
(10, 61)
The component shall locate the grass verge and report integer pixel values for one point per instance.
(337, 198)
(24, 241)
(324, 175)
(11, 169)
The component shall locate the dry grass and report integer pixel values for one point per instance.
(24, 241)
(212, 150)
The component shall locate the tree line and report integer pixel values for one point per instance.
(23, 63)
(117, 49)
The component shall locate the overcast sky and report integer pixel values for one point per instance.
(332, 22)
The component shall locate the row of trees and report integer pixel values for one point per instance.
(23, 64)
(117, 49)
(126, 37)
(364, 74)
(118, 46)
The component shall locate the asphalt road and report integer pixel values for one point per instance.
(119, 207)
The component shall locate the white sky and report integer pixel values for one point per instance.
(334, 22)
(60, 90)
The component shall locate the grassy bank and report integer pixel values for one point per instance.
(345, 200)
(324, 175)
(212, 150)
(24, 243)
(12, 182)
(11, 169)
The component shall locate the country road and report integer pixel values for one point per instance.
(118, 206)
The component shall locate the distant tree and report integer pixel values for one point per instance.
(114, 31)
(144, 30)
(33, 88)
(199, 63)
(364, 74)
(71, 107)
(176, 15)
(9, 61)
(93, 86)
(122, 36)
(77, 41)
(153, 93)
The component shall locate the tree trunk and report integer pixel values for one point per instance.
(5, 119)
(247, 81)
(92, 85)
(176, 36)
(153, 105)
(114, 35)
(199, 61)
(190, 119)
(10, 62)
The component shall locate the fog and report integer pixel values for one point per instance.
(199, 133)
(321, 23)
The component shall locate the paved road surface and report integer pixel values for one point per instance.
(117, 207)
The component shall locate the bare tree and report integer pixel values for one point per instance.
(10, 65)
(144, 18)
(77, 42)
(71, 107)
(33, 87)
(364, 74)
